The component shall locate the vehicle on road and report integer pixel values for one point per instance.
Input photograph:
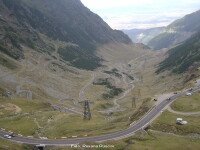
(175, 93)
(190, 89)
(169, 98)
(43, 138)
(7, 136)
(189, 94)
(12, 135)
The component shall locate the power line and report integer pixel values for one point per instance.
(87, 113)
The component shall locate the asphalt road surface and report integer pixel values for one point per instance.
(142, 123)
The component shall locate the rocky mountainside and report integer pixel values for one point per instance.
(143, 35)
(183, 57)
(177, 32)
(37, 24)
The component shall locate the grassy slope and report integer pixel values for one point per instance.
(183, 56)
(163, 40)
(156, 141)
(7, 145)
(23, 119)
(167, 123)
(187, 103)
(7, 63)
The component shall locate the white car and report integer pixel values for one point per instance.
(182, 122)
(188, 93)
(7, 136)
(43, 138)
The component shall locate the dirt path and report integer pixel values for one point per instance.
(62, 101)
(131, 61)
(183, 113)
(82, 91)
(36, 122)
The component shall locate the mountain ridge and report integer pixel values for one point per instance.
(143, 35)
(23, 22)
(177, 32)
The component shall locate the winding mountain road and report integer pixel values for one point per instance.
(142, 123)
(72, 108)
(130, 86)
(183, 113)
(81, 93)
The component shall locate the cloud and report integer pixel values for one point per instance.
(144, 19)
(107, 4)
(127, 14)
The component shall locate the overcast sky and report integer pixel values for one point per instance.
(129, 14)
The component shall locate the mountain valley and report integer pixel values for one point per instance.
(56, 55)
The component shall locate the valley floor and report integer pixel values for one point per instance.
(47, 95)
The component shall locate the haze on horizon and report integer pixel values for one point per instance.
(143, 14)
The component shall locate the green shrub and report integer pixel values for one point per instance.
(114, 91)
(79, 58)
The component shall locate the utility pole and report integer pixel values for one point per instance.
(87, 114)
(141, 78)
(145, 61)
(139, 93)
(133, 102)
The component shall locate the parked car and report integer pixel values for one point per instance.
(175, 93)
(182, 122)
(169, 98)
